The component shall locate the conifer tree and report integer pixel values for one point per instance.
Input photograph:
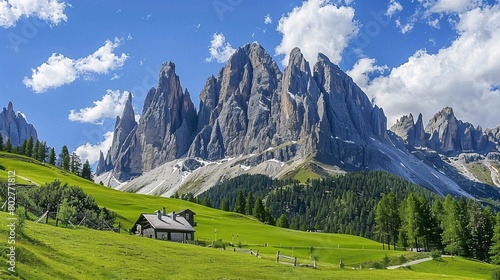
(42, 151)
(224, 205)
(1, 142)
(24, 147)
(282, 221)
(495, 248)
(52, 156)
(87, 171)
(259, 210)
(8, 146)
(249, 204)
(29, 147)
(240, 203)
(34, 152)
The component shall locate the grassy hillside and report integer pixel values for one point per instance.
(59, 253)
(457, 266)
(79, 254)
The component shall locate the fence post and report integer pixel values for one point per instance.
(315, 264)
(278, 257)
(295, 261)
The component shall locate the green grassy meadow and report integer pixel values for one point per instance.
(47, 252)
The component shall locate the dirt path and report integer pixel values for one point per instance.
(414, 262)
(409, 263)
(29, 180)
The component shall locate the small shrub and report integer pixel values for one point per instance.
(377, 265)
(402, 259)
(219, 244)
(496, 274)
(386, 261)
(436, 255)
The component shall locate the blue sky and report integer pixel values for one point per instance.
(67, 64)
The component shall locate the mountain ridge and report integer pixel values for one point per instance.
(15, 126)
(254, 118)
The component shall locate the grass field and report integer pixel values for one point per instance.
(74, 254)
(457, 266)
(482, 173)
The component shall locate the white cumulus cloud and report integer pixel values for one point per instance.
(219, 49)
(51, 11)
(110, 106)
(405, 28)
(464, 75)
(317, 26)
(361, 70)
(268, 19)
(60, 70)
(453, 6)
(393, 8)
(91, 151)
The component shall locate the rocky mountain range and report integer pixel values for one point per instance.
(15, 127)
(253, 118)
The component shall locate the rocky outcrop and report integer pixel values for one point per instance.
(446, 134)
(251, 107)
(238, 108)
(164, 132)
(412, 133)
(15, 127)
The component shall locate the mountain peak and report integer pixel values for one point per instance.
(10, 107)
(15, 126)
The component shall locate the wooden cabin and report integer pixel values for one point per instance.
(163, 226)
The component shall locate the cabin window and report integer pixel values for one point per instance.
(187, 216)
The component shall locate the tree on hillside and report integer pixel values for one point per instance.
(259, 210)
(449, 223)
(75, 165)
(29, 147)
(42, 151)
(8, 146)
(34, 153)
(250, 203)
(1, 142)
(64, 158)
(239, 207)
(382, 221)
(269, 217)
(464, 234)
(495, 249)
(24, 147)
(224, 205)
(87, 171)
(66, 213)
(52, 157)
(412, 220)
(481, 231)
(282, 221)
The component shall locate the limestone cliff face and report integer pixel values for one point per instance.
(164, 132)
(15, 127)
(446, 134)
(251, 107)
(412, 133)
(236, 108)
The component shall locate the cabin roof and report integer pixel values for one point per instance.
(168, 223)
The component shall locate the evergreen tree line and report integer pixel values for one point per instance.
(344, 204)
(39, 150)
(458, 227)
(67, 204)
